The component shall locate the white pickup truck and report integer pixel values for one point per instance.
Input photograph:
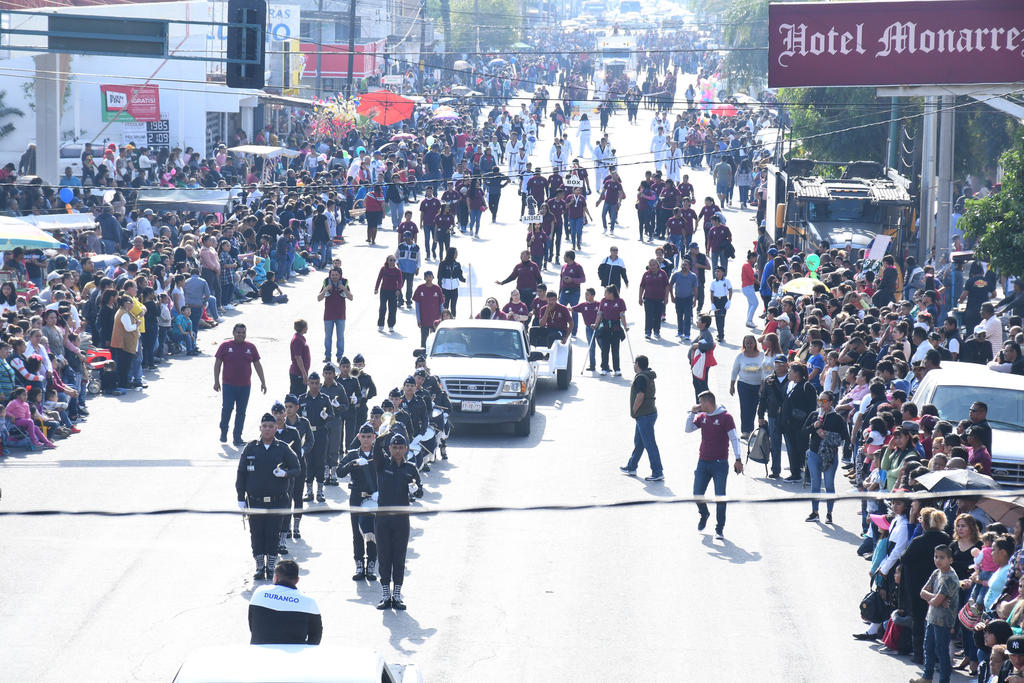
(490, 373)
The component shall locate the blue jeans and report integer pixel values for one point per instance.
(570, 297)
(474, 221)
(323, 250)
(396, 210)
(816, 473)
(610, 211)
(135, 373)
(643, 439)
(708, 470)
(234, 397)
(751, 295)
(936, 651)
(576, 231)
(330, 326)
(775, 439)
(684, 315)
(718, 259)
(680, 242)
(748, 405)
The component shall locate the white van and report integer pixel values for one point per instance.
(955, 386)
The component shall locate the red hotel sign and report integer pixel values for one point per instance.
(921, 42)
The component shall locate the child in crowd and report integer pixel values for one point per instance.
(164, 322)
(268, 289)
(182, 332)
(52, 405)
(21, 413)
(248, 287)
(984, 566)
(942, 593)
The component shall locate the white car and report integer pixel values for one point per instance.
(70, 155)
(291, 664)
(955, 386)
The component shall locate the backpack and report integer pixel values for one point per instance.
(759, 446)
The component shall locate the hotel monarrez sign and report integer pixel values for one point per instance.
(921, 42)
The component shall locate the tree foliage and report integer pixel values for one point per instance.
(499, 23)
(746, 30)
(997, 221)
(7, 112)
(817, 112)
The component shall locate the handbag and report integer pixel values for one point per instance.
(970, 615)
(758, 447)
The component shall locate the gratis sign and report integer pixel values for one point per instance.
(130, 102)
(920, 42)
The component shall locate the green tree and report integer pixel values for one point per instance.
(817, 112)
(746, 32)
(7, 112)
(997, 221)
(499, 23)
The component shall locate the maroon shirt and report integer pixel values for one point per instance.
(611, 309)
(561, 318)
(654, 284)
(572, 276)
(575, 205)
(612, 192)
(527, 276)
(587, 309)
(429, 300)
(300, 348)
(237, 359)
(334, 304)
(556, 207)
(515, 308)
(410, 227)
(389, 279)
(429, 208)
(714, 435)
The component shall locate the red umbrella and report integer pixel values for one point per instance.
(725, 110)
(385, 107)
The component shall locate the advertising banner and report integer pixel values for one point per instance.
(130, 102)
(922, 42)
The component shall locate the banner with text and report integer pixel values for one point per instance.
(923, 42)
(130, 102)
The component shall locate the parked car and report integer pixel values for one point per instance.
(70, 155)
(291, 664)
(955, 386)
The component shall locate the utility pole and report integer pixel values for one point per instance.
(944, 187)
(351, 46)
(320, 49)
(423, 40)
(446, 23)
(476, 20)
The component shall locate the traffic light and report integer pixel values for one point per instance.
(247, 24)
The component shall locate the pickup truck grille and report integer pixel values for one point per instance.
(467, 387)
(1008, 473)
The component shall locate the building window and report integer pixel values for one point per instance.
(341, 30)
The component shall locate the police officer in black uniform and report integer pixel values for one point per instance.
(403, 420)
(316, 407)
(396, 479)
(368, 390)
(413, 405)
(438, 396)
(422, 393)
(294, 419)
(262, 483)
(358, 464)
(335, 428)
(290, 436)
(353, 393)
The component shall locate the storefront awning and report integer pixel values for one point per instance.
(286, 101)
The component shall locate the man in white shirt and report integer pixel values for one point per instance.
(559, 157)
(143, 227)
(920, 337)
(993, 327)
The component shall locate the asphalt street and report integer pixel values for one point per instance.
(619, 594)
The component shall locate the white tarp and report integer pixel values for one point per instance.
(184, 200)
(267, 151)
(62, 221)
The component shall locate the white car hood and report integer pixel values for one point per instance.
(497, 368)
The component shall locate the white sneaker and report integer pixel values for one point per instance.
(391, 330)
(617, 373)
(228, 307)
(604, 372)
(380, 328)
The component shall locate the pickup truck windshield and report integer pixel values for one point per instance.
(471, 342)
(1005, 406)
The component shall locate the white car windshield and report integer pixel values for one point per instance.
(1005, 406)
(470, 342)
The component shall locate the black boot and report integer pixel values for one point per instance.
(360, 574)
(295, 530)
(271, 562)
(371, 570)
(396, 598)
(261, 568)
(282, 549)
(385, 600)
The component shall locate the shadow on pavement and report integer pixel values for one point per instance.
(727, 550)
(405, 628)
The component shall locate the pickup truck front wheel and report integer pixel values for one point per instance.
(522, 428)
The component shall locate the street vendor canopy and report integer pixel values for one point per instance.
(14, 232)
(268, 151)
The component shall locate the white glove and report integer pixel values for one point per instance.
(361, 461)
(323, 413)
(241, 505)
(412, 487)
(374, 496)
(334, 402)
(353, 399)
(279, 472)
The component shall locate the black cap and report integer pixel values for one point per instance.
(398, 440)
(344, 361)
(409, 380)
(394, 392)
(291, 398)
(358, 359)
(329, 367)
(367, 428)
(278, 407)
(1014, 646)
(421, 372)
(313, 375)
(267, 417)
(376, 410)
(387, 404)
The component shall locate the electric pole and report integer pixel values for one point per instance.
(351, 46)
(320, 49)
